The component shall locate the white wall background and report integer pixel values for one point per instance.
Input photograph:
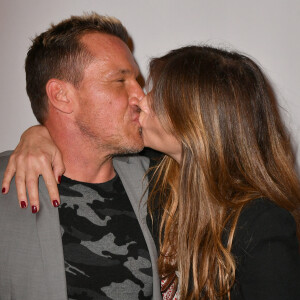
(267, 30)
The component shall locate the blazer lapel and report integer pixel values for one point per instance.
(49, 234)
(135, 183)
(132, 173)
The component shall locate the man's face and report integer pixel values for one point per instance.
(106, 107)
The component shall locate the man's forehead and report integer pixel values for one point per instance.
(109, 49)
(105, 45)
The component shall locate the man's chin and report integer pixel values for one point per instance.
(134, 149)
(128, 150)
(131, 147)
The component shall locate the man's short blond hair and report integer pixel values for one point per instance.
(58, 53)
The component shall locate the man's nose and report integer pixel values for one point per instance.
(136, 95)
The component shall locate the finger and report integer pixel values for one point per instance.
(8, 174)
(51, 185)
(32, 186)
(21, 189)
(58, 166)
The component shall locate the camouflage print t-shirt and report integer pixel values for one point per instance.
(105, 253)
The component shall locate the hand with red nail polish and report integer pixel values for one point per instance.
(55, 203)
(35, 155)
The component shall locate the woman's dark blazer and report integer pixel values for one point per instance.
(267, 255)
(266, 251)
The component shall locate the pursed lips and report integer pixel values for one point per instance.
(136, 115)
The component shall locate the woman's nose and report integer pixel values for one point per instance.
(143, 105)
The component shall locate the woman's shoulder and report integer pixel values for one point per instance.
(263, 214)
(262, 224)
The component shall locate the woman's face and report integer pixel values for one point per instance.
(154, 135)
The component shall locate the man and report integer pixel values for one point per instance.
(81, 81)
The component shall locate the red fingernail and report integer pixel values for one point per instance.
(23, 204)
(55, 203)
(3, 190)
(59, 179)
(34, 209)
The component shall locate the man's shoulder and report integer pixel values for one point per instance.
(6, 153)
(10, 200)
(7, 201)
(12, 217)
(4, 157)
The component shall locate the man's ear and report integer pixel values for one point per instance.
(59, 95)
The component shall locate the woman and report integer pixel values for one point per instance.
(226, 194)
(230, 167)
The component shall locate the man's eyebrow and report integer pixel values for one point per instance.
(124, 72)
(120, 72)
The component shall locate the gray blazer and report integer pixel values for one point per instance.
(31, 253)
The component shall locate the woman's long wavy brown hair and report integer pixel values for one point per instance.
(234, 149)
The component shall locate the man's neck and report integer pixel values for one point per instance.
(84, 168)
(83, 160)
